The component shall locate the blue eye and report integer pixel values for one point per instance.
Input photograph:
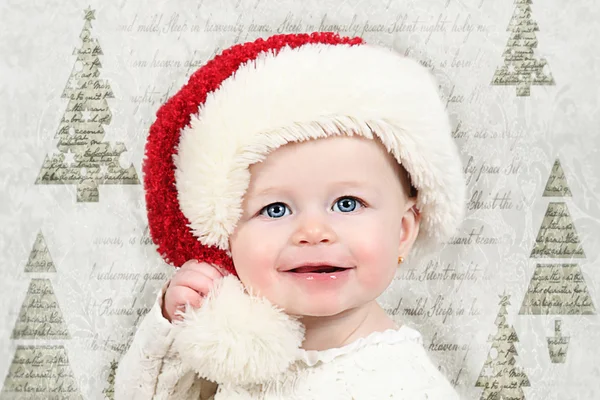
(347, 204)
(344, 204)
(275, 210)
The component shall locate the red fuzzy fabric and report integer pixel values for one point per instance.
(167, 224)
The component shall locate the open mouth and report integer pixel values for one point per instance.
(317, 269)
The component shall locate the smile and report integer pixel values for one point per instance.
(320, 274)
(317, 269)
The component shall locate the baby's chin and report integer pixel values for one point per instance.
(301, 306)
(313, 311)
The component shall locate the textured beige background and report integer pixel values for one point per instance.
(107, 271)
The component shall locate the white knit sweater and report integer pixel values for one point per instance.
(384, 365)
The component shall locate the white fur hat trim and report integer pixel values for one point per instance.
(235, 337)
(319, 90)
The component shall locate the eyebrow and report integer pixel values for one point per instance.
(340, 184)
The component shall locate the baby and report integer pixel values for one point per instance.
(305, 169)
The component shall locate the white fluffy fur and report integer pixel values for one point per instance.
(310, 92)
(237, 337)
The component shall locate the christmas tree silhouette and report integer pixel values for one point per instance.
(40, 372)
(84, 159)
(39, 258)
(557, 288)
(558, 344)
(557, 186)
(40, 316)
(521, 68)
(557, 237)
(500, 378)
(109, 391)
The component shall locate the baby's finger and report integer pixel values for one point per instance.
(221, 270)
(212, 270)
(195, 280)
(189, 264)
(183, 295)
(180, 297)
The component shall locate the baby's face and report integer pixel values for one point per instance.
(337, 201)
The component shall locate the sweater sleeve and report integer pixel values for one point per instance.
(150, 369)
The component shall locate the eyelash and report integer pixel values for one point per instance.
(359, 201)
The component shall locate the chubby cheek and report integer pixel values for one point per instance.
(255, 264)
(376, 257)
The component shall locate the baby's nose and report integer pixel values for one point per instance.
(314, 230)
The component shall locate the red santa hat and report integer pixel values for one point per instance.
(252, 99)
(257, 96)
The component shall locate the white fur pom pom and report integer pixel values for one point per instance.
(238, 338)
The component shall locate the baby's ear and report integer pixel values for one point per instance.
(411, 221)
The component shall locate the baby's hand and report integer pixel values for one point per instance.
(191, 283)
